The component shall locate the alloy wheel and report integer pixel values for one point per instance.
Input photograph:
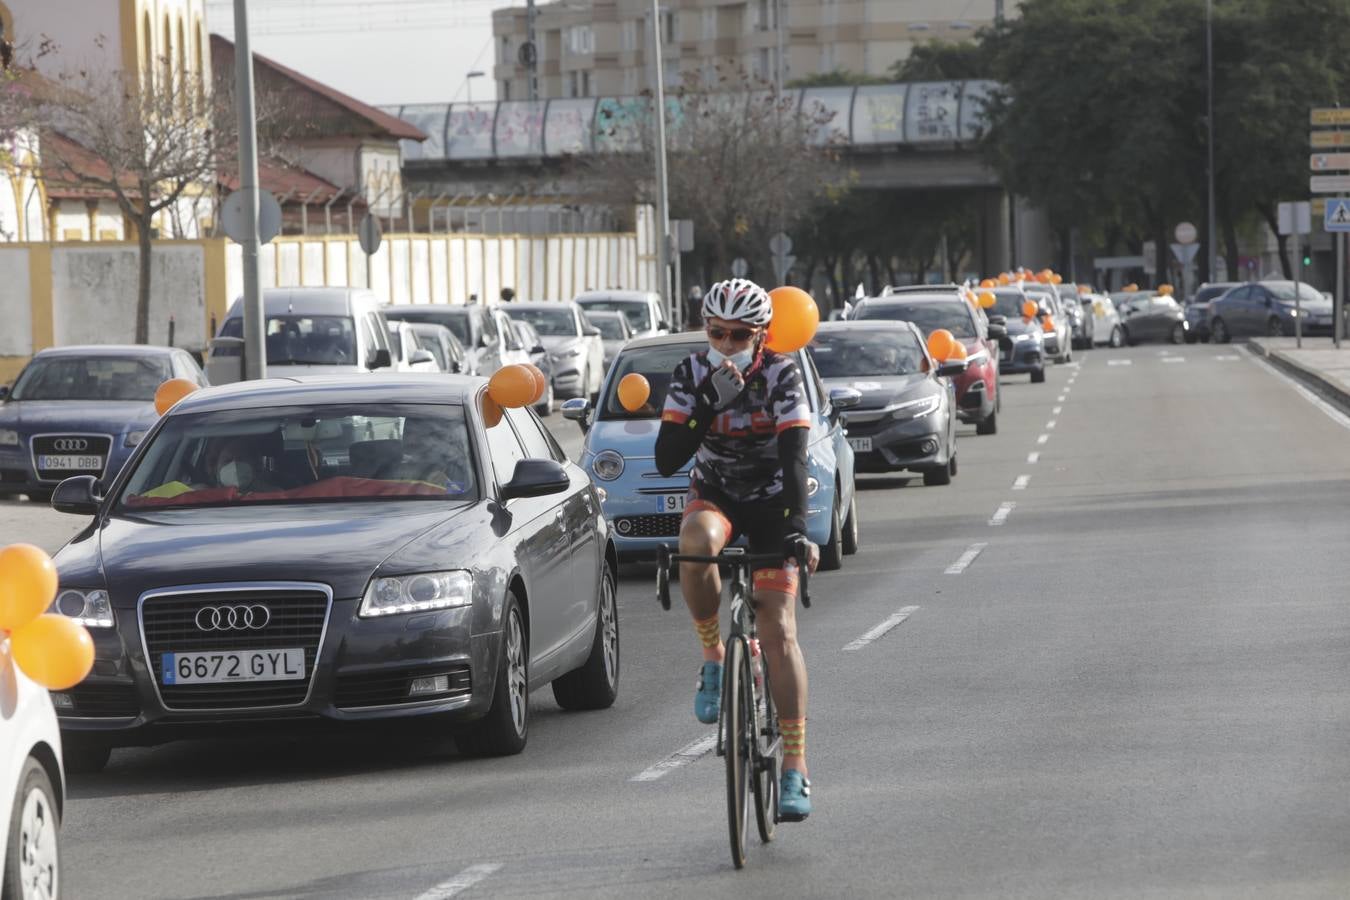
(38, 863)
(515, 671)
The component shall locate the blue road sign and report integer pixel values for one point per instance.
(1338, 215)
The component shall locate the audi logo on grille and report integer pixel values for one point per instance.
(70, 445)
(233, 618)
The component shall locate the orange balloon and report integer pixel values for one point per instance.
(512, 386)
(170, 392)
(940, 344)
(492, 411)
(958, 352)
(1047, 326)
(540, 381)
(27, 585)
(1131, 287)
(795, 319)
(54, 651)
(987, 282)
(1084, 289)
(1004, 280)
(1029, 309)
(1056, 279)
(634, 390)
(987, 300)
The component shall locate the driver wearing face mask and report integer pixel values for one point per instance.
(239, 464)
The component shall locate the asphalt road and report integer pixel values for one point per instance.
(1121, 672)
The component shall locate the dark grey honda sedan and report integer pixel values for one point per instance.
(347, 548)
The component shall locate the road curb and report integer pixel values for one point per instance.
(1332, 392)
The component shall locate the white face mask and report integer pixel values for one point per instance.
(740, 360)
(237, 474)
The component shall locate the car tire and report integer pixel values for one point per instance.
(1117, 339)
(34, 843)
(832, 551)
(988, 425)
(939, 477)
(1274, 328)
(1218, 332)
(546, 406)
(1038, 376)
(506, 727)
(83, 757)
(1191, 337)
(595, 685)
(1178, 334)
(851, 526)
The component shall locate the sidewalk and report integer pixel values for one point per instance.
(1319, 365)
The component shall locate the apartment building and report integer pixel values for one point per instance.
(588, 48)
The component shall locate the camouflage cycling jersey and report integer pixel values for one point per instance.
(739, 453)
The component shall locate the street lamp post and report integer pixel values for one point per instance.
(1211, 247)
(255, 358)
(468, 81)
(662, 185)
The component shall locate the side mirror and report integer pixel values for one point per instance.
(951, 369)
(77, 495)
(998, 330)
(536, 478)
(590, 330)
(485, 341)
(998, 320)
(578, 410)
(421, 356)
(456, 367)
(380, 360)
(845, 397)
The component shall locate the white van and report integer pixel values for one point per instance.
(309, 331)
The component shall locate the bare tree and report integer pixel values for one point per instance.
(742, 164)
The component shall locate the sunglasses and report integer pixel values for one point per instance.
(736, 334)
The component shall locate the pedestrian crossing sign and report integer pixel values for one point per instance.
(1337, 215)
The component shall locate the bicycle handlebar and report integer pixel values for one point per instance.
(665, 561)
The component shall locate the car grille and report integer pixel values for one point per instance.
(297, 619)
(103, 701)
(92, 445)
(388, 688)
(655, 525)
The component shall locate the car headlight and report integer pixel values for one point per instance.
(607, 465)
(812, 485)
(913, 409)
(9, 437)
(133, 438)
(424, 591)
(93, 609)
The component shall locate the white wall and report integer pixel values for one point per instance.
(16, 309)
(94, 293)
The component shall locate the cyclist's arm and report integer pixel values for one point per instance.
(685, 420)
(792, 457)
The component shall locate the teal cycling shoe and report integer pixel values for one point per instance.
(794, 797)
(708, 700)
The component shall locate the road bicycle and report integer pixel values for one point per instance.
(747, 726)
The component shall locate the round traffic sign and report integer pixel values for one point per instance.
(232, 213)
(369, 233)
(739, 267)
(1185, 233)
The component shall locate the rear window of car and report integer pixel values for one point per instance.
(457, 322)
(611, 329)
(953, 315)
(549, 322)
(305, 455)
(92, 378)
(637, 312)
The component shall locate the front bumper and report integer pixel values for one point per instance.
(1023, 357)
(915, 444)
(18, 474)
(360, 670)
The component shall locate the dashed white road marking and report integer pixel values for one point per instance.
(461, 882)
(966, 559)
(1033, 457)
(1001, 514)
(1174, 359)
(1120, 362)
(1227, 357)
(881, 630)
(1021, 483)
(1059, 399)
(682, 757)
(1050, 426)
(1042, 439)
(1068, 390)
(1332, 412)
(1056, 411)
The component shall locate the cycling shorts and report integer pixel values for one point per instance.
(763, 523)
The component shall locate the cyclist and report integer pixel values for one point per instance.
(740, 410)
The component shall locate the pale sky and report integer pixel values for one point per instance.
(383, 52)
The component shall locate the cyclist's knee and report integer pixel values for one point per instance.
(702, 535)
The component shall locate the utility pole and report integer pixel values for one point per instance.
(778, 72)
(532, 70)
(255, 359)
(662, 185)
(1212, 254)
(998, 12)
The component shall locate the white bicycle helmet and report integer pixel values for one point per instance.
(738, 300)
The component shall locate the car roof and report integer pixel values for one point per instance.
(107, 350)
(893, 289)
(307, 301)
(536, 304)
(606, 314)
(909, 300)
(870, 326)
(634, 296)
(429, 307)
(325, 390)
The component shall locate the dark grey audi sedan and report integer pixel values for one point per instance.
(348, 548)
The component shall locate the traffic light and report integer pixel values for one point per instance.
(1307, 257)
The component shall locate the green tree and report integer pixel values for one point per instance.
(944, 61)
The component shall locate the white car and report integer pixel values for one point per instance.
(575, 351)
(1105, 318)
(646, 318)
(407, 350)
(32, 787)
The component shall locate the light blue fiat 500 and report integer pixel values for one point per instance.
(645, 508)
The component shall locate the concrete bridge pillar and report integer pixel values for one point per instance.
(994, 250)
(1032, 242)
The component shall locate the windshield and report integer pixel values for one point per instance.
(305, 455)
(656, 364)
(929, 316)
(550, 322)
(1007, 304)
(636, 312)
(430, 342)
(456, 321)
(301, 340)
(1206, 294)
(855, 354)
(1284, 291)
(92, 378)
(611, 329)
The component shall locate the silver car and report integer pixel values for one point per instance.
(614, 332)
(646, 316)
(574, 346)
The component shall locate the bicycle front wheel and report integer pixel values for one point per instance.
(738, 723)
(768, 759)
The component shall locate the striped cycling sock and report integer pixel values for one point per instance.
(709, 631)
(794, 738)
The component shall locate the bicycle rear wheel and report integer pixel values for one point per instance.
(736, 715)
(768, 760)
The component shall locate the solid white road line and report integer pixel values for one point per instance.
(1033, 457)
(882, 629)
(966, 559)
(1001, 514)
(1120, 362)
(1042, 439)
(1332, 412)
(682, 757)
(461, 882)
(1021, 483)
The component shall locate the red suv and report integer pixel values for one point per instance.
(977, 398)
